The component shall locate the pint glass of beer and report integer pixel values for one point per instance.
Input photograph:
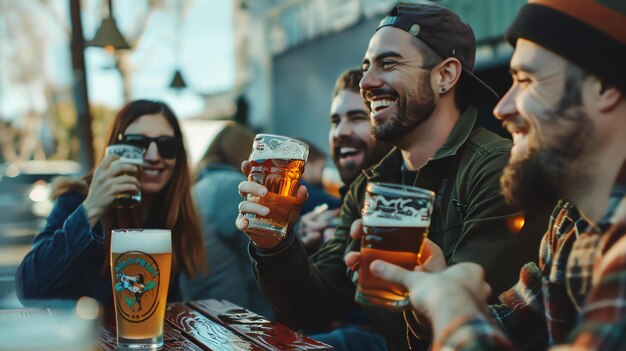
(277, 163)
(141, 261)
(128, 154)
(395, 223)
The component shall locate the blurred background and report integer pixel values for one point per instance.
(66, 67)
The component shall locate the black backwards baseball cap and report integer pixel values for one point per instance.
(444, 32)
(589, 33)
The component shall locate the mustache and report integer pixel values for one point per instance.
(370, 94)
(346, 141)
(516, 124)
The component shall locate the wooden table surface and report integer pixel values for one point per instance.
(219, 325)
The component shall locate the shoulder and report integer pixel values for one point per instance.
(218, 176)
(486, 143)
(613, 251)
(68, 186)
(486, 153)
(357, 188)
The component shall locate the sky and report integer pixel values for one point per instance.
(199, 43)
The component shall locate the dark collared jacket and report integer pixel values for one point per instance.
(471, 222)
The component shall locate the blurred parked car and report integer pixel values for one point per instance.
(25, 195)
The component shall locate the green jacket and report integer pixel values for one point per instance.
(471, 222)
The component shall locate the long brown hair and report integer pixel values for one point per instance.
(172, 207)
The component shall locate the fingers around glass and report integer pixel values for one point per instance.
(247, 187)
(356, 230)
(255, 208)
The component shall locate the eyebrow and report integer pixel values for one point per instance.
(384, 55)
(350, 113)
(356, 112)
(521, 68)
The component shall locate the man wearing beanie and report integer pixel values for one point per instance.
(566, 111)
(421, 97)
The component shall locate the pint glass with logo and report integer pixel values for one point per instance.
(277, 163)
(141, 261)
(395, 223)
(128, 154)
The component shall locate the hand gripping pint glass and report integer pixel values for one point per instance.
(141, 260)
(133, 155)
(277, 163)
(395, 223)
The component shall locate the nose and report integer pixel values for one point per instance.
(506, 108)
(342, 128)
(152, 154)
(369, 81)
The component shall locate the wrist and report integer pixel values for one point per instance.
(93, 213)
(450, 306)
(264, 241)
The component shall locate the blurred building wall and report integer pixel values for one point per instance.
(303, 80)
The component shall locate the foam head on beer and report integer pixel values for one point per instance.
(395, 205)
(127, 153)
(147, 240)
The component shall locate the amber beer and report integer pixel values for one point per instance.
(277, 163)
(395, 223)
(141, 261)
(133, 155)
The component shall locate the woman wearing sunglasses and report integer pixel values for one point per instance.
(70, 256)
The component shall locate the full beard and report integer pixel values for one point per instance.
(551, 169)
(372, 154)
(348, 171)
(412, 110)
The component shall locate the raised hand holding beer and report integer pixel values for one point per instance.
(272, 194)
(110, 179)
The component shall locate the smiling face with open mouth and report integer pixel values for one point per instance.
(157, 170)
(351, 144)
(395, 86)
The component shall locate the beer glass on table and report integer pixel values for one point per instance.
(133, 155)
(395, 223)
(141, 261)
(278, 163)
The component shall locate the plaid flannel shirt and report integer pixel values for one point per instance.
(575, 298)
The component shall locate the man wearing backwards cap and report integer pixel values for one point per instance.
(421, 95)
(567, 113)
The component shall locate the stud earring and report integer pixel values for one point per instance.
(443, 90)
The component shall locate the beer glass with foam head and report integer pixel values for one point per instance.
(277, 163)
(133, 155)
(395, 223)
(141, 261)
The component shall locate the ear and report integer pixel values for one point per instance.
(607, 96)
(448, 73)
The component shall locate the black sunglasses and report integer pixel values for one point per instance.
(168, 146)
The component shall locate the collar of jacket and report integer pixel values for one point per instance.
(458, 136)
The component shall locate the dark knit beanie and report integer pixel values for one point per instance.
(590, 34)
